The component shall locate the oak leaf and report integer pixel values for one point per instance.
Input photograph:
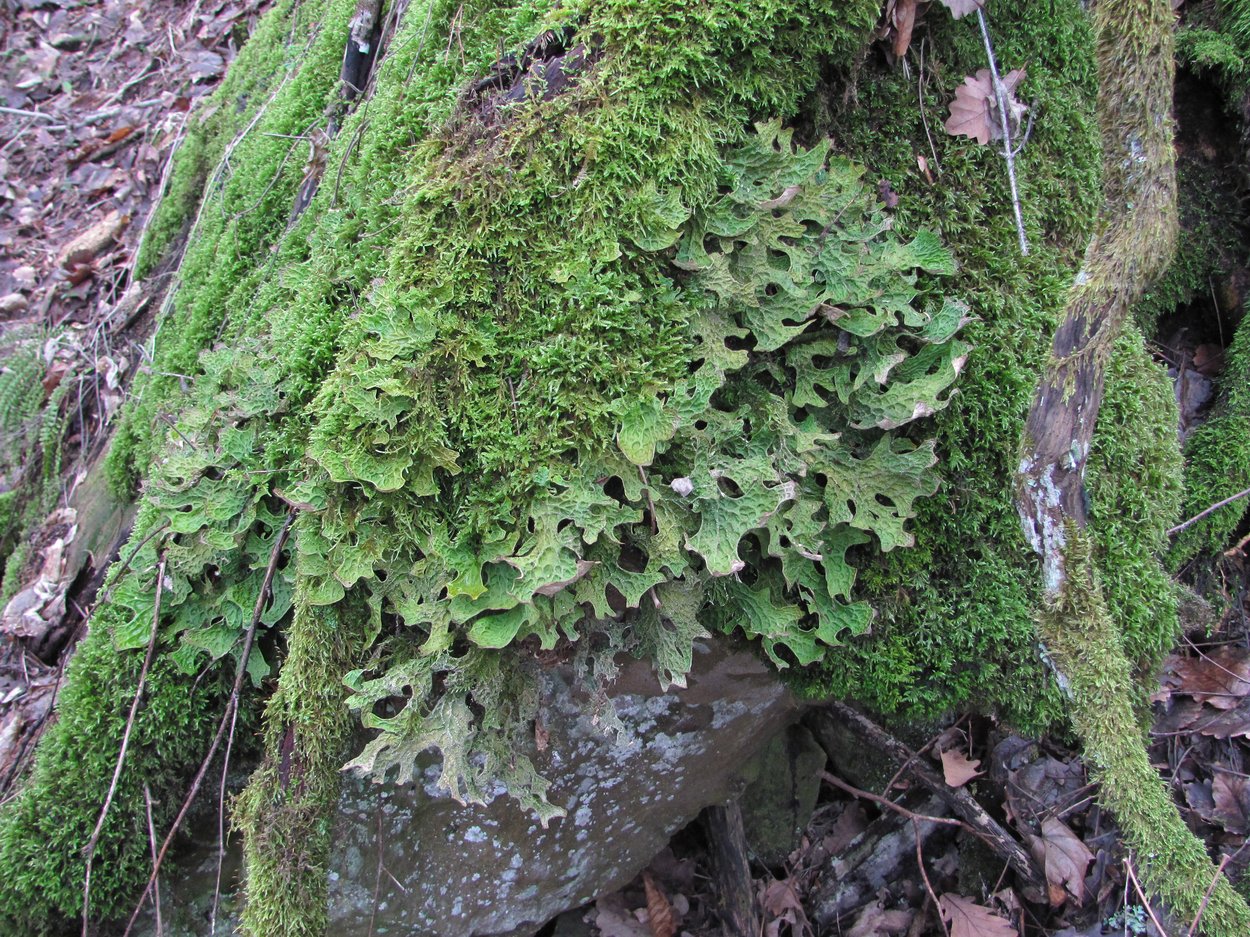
(958, 768)
(904, 23)
(660, 915)
(1231, 794)
(968, 919)
(974, 112)
(1220, 678)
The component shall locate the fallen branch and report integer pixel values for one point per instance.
(227, 717)
(958, 800)
(727, 847)
(1134, 238)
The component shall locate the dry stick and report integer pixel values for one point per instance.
(221, 824)
(1206, 898)
(147, 800)
(886, 802)
(1128, 865)
(961, 803)
(1001, 94)
(1213, 508)
(121, 755)
(226, 717)
(915, 828)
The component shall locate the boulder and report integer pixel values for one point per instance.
(408, 860)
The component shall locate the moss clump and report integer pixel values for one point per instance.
(954, 625)
(287, 811)
(44, 831)
(1217, 458)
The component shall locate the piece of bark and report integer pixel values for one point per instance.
(735, 891)
(824, 724)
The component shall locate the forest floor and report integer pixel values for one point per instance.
(95, 95)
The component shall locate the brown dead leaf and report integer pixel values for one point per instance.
(875, 921)
(904, 23)
(1064, 858)
(781, 903)
(1220, 678)
(1209, 359)
(961, 8)
(968, 919)
(958, 769)
(1231, 793)
(850, 823)
(974, 112)
(660, 916)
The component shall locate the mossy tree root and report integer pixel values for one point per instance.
(1084, 645)
(1134, 237)
(287, 811)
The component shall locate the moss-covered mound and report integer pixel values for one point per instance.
(575, 345)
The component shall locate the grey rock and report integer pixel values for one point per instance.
(410, 861)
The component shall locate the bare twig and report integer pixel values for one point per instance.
(121, 755)
(928, 886)
(1009, 155)
(1128, 865)
(22, 112)
(156, 888)
(226, 717)
(886, 802)
(1212, 509)
(1206, 898)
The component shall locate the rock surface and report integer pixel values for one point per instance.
(410, 861)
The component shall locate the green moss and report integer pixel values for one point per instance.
(44, 831)
(1086, 645)
(954, 625)
(1217, 459)
(1135, 467)
(287, 811)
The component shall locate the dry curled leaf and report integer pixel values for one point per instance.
(1231, 794)
(904, 18)
(974, 112)
(961, 8)
(876, 921)
(1064, 859)
(1220, 678)
(958, 768)
(968, 919)
(660, 915)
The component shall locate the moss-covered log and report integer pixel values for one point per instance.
(1133, 241)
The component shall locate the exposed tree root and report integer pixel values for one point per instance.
(1134, 240)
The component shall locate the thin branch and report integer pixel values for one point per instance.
(156, 895)
(121, 755)
(1128, 865)
(886, 802)
(915, 828)
(1211, 510)
(226, 717)
(1000, 93)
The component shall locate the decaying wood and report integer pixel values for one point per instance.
(883, 853)
(735, 891)
(961, 803)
